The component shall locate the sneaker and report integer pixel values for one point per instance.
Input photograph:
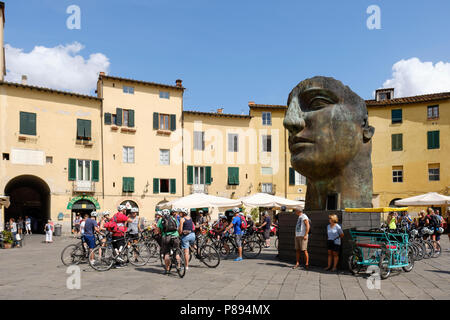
(238, 259)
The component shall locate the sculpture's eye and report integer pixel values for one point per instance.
(318, 103)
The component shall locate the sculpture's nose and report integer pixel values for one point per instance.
(294, 121)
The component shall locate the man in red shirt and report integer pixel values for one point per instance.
(117, 226)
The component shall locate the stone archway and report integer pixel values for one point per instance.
(29, 196)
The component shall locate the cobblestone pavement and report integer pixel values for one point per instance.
(36, 272)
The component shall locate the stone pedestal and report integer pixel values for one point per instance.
(317, 245)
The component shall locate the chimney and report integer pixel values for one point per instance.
(102, 74)
(179, 83)
(2, 47)
(24, 80)
(384, 94)
(251, 103)
(220, 110)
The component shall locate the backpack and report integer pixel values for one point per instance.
(169, 224)
(243, 224)
(113, 226)
(47, 227)
(435, 221)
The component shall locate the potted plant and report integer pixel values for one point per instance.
(7, 239)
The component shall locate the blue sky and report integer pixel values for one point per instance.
(232, 52)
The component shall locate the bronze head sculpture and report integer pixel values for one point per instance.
(330, 144)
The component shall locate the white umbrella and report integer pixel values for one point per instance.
(201, 200)
(269, 201)
(427, 199)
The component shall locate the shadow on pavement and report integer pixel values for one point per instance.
(439, 271)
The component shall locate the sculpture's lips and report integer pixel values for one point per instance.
(299, 143)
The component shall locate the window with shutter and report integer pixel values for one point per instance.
(72, 169)
(190, 175)
(208, 175)
(131, 118)
(267, 143)
(27, 123)
(173, 122)
(233, 142)
(155, 121)
(199, 140)
(173, 186)
(397, 142)
(108, 118)
(119, 116)
(95, 170)
(155, 185)
(233, 175)
(433, 140)
(396, 116)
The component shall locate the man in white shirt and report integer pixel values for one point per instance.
(301, 237)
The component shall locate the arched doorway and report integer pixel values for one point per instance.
(392, 203)
(80, 206)
(29, 196)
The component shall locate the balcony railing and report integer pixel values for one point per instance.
(199, 188)
(83, 186)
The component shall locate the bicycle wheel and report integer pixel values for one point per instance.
(420, 250)
(251, 249)
(181, 265)
(437, 249)
(385, 271)
(209, 256)
(353, 265)
(410, 265)
(429, 249)
(139, 254)
(103, 258)
(69, 256)
(154, 252)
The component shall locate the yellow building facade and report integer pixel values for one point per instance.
(410, 150)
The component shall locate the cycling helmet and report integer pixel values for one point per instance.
(93, 214)
(185, 211)
(414, 232)
(134, 210)
(121, 207)
(200, 211)
(440, 230)
(158, 213)
(241, 214)
(249, 216)
(166, 212)
(283, 208)
(236, 210)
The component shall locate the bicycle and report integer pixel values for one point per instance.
(138, 254)
(227, 245)
(204, 252)
(75, 253)
(180, 265)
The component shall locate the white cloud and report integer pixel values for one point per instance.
(61, 67)
(413, 77)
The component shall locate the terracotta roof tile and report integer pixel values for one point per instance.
(141, 82)
(408, 100)
(214, 114)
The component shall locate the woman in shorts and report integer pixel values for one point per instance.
(335, 234)
(187, 235)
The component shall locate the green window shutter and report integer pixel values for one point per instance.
(397, 142)
(173, 186)
(155, 185)
(28, 123)
(207, 175)
(397, 115)
(291, 176)
(119, 116)
(108, 118)
(72, 169)
(433, 140)
(190, 175)
(155, 120)
(131, 118)
(233, 176)
(95, 170)
(173, 122)
(80, 129)
(124, 184)
(87, 129)
(130, 184)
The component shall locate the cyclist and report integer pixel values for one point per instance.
(90, 227)
(168, 228)
(118, 228)
(266, 227)
(236, 225)
(250, 224)
(133, 226)
(186, 229)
